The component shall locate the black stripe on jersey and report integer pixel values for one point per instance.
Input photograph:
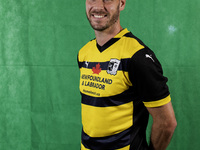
(80, 64)
(104, 65)
(116, 100)
(116, 141)
(107, 44)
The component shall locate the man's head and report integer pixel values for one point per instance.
(103, 14)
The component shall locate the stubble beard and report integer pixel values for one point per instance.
(108, 23)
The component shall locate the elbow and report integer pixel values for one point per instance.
(173, 124)
(167, 126)
(170, 126)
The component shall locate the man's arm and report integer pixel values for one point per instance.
(164, 124)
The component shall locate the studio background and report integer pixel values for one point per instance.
(39, 75)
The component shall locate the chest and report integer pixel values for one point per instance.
(104, 74)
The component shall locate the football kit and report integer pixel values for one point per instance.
(117, 82)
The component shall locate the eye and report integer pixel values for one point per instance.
(91, 1)
(108, 0)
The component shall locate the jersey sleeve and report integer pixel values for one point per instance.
(146, 75)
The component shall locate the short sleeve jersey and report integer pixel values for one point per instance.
(117, 82)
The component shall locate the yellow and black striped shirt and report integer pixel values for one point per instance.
(117, 82)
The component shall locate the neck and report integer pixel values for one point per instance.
(104, 36)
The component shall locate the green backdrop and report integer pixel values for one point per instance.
(39, 76)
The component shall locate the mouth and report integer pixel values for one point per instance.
(97, 16)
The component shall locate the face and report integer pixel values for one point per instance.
(103, 14)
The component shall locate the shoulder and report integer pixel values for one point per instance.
(87, 45)
(144, 59)
(85, 49)
(131, 44)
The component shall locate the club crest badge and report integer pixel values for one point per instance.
(113, 66)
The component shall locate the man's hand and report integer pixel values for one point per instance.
(164, 124)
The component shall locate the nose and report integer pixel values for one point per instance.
(99, 5)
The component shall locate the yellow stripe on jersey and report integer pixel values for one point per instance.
(122, 33)
(106, 121)
(83, 147)
(125, 48)
(124, 148)
(158, 103)
(100, 84)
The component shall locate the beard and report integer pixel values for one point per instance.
(110, 20)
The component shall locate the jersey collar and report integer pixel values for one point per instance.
(112, 40)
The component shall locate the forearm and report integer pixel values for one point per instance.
(161, 136)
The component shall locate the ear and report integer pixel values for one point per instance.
(122, 4)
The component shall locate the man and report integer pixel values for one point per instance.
(121, 82)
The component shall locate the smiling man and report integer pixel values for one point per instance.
(121, 83)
